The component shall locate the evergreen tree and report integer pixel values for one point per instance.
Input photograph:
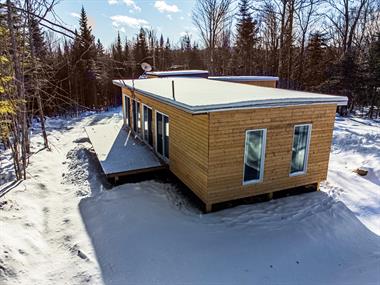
(85, 51)
(374, 74)
(315, 65)
(246, 38)
(141, 48)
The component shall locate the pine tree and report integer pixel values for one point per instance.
(315, 65)
(141, 48)
(374, 74)
(246, 38)
(86, 57)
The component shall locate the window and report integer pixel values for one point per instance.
(127, 110)
(254, 156)
(300, 149)
(136, 116)
(147, 127)
(162, 134)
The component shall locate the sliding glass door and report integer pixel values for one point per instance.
(127, 110)
(162, 134)
(136, 113)
(147, 125)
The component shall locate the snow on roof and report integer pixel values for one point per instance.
(197, 95)
(176, 72)
(244, 78)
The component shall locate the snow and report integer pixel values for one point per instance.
(214, 95)
(244, 78)
(118, 151)
(66, 225)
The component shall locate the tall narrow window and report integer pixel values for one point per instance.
(138, 109)
(136, 116)
(162, 134)
(300, 149)
(147, 127)
(159, 133)
(254, 156)
(127, 106)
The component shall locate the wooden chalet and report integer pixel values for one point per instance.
(228, 141)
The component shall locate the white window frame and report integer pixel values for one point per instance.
(304, 171)
(155, 133)
(262, 163)
(143, 127)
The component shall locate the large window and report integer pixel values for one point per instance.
(300, 149)
(162, 134)
(254, 156)
(147, 125)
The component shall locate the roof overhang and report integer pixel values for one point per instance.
(273, 103)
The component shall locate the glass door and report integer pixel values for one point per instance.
(147, 125)
(162, 134)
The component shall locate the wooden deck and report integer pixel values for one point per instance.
(119, 153)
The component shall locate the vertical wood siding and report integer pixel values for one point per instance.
(207, 151)
(227, 141)
(188, 143)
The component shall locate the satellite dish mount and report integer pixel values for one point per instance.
(146, 67)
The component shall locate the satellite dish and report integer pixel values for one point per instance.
(146, 67)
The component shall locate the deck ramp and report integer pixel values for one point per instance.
(119, 153)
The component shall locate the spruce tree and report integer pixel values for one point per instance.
(86, 57)
(374, 74)
(141, 47)
(246, 39)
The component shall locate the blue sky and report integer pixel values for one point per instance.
(172, 18)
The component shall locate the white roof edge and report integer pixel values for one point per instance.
(245, 78)
(272, 103)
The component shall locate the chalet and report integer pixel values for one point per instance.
(227, 141)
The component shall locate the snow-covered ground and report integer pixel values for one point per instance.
(64, 225)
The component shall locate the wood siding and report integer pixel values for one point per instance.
(188, 143)
(266, 83)
(227, 142)
(207, 150)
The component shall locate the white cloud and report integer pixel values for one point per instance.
(75, 15)
(182, 18)
(122, 20)
(169, 17)
(131, 3)
(163, 7)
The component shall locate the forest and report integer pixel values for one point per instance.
(48, 69)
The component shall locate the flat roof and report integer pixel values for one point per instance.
(177, 72)
(199, 95)
(244, 78)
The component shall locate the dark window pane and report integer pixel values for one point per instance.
(166, 136)
(134, 115)
(150, 132)
(138, 115)
(253, 155)
(159, 133)
(299, 150)
(145, 123)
